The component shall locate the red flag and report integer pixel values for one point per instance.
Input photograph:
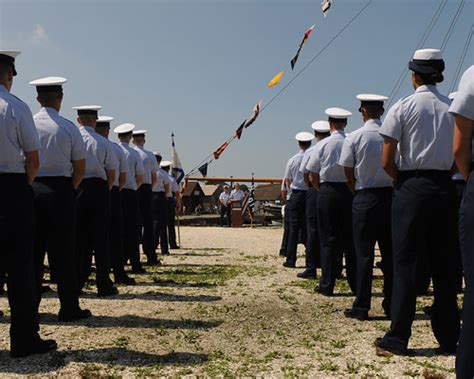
(217, 153)
(240, 129)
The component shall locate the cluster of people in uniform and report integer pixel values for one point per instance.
(227, 199)
(68, 191)
(405, 183)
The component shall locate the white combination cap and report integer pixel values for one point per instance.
(8, 57)
(165, 163)
(157, 153)
(138, 132)
(428, 55)
(427, 62)
(338, 113)
(304, 137)
(321, 126)
(90, 110)
(124, 128)
(452, 95)
(104, 120)
(49, 84)
(370, 97)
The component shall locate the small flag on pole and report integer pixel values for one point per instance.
(203, 169)
(305, 38)
(325, 6)
(240, 129)
(177, 170)
(255, 113)
(217, 153)
(276, 79)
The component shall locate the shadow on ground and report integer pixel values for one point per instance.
(42, 364)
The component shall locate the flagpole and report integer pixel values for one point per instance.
(177, 210)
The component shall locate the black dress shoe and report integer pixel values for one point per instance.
(307, 274)
(289, 265)
(358, 315)
(1, 314)
(175, 247)
(428, 310)
(385, 348)
(39, 346)
(110, 291)
(78, 314)
(282, 253)
(125, 279)
(323, 292)
(165, 253)
(446, 350)
(138, 270)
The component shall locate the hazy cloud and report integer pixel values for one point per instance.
(39, 36)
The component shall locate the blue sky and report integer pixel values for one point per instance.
(197, 68)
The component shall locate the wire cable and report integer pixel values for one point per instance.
(452, 25)
(457, 72)
(278, 94)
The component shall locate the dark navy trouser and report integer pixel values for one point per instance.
(371, 220)
(297, 213)
(335, 233)
(54, 213)
(313, 259)
(465, 353)
(424, 216)
(131, 249)
(17, 257)
(286, 229)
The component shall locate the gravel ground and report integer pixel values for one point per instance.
(224, 306)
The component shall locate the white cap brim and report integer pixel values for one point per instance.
(371, 97)
(338, 113)
(124, 128)
(49, 81)
(321, 126)
(304, 137)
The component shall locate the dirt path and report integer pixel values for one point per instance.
(224, 306)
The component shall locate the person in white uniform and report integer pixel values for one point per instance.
(62, 167)
(361, 158)
(463, 109)
(160, 207)
(19, 164)
(334, 205)
(297, 206)
(145, 197)
(313, 256)
(92, 203)
(116, 242)
(419, 128)
(225, 208)
(133, 181)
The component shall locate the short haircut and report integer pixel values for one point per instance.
(374, 109)
(46, 97)
(304, 144)
(87, 118)
(5, 69)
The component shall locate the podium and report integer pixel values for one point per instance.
(237, 217)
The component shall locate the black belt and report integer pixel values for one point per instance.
(12, 175)
(334, 184)
(94, 180)
(376, 190)
(435, 174)
(297, 191)
(53, 179)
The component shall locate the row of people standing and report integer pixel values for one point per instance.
(71, 193)
(393, 183)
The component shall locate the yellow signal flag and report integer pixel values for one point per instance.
(276, 79)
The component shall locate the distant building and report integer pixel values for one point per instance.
(268, 193)
(192, 196)
(211, 196)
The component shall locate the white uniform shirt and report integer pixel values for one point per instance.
(173, 186)
(362, 150)
(123, 164)
(324, 159)
(237, 195)
(100, 154)
(293, 173)
(17, 133)
(135, 166)
(305, 160)
(224, 198)
(463, 103)
(147, 163)
(424, 128)
(162, 178)
(61, 143)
